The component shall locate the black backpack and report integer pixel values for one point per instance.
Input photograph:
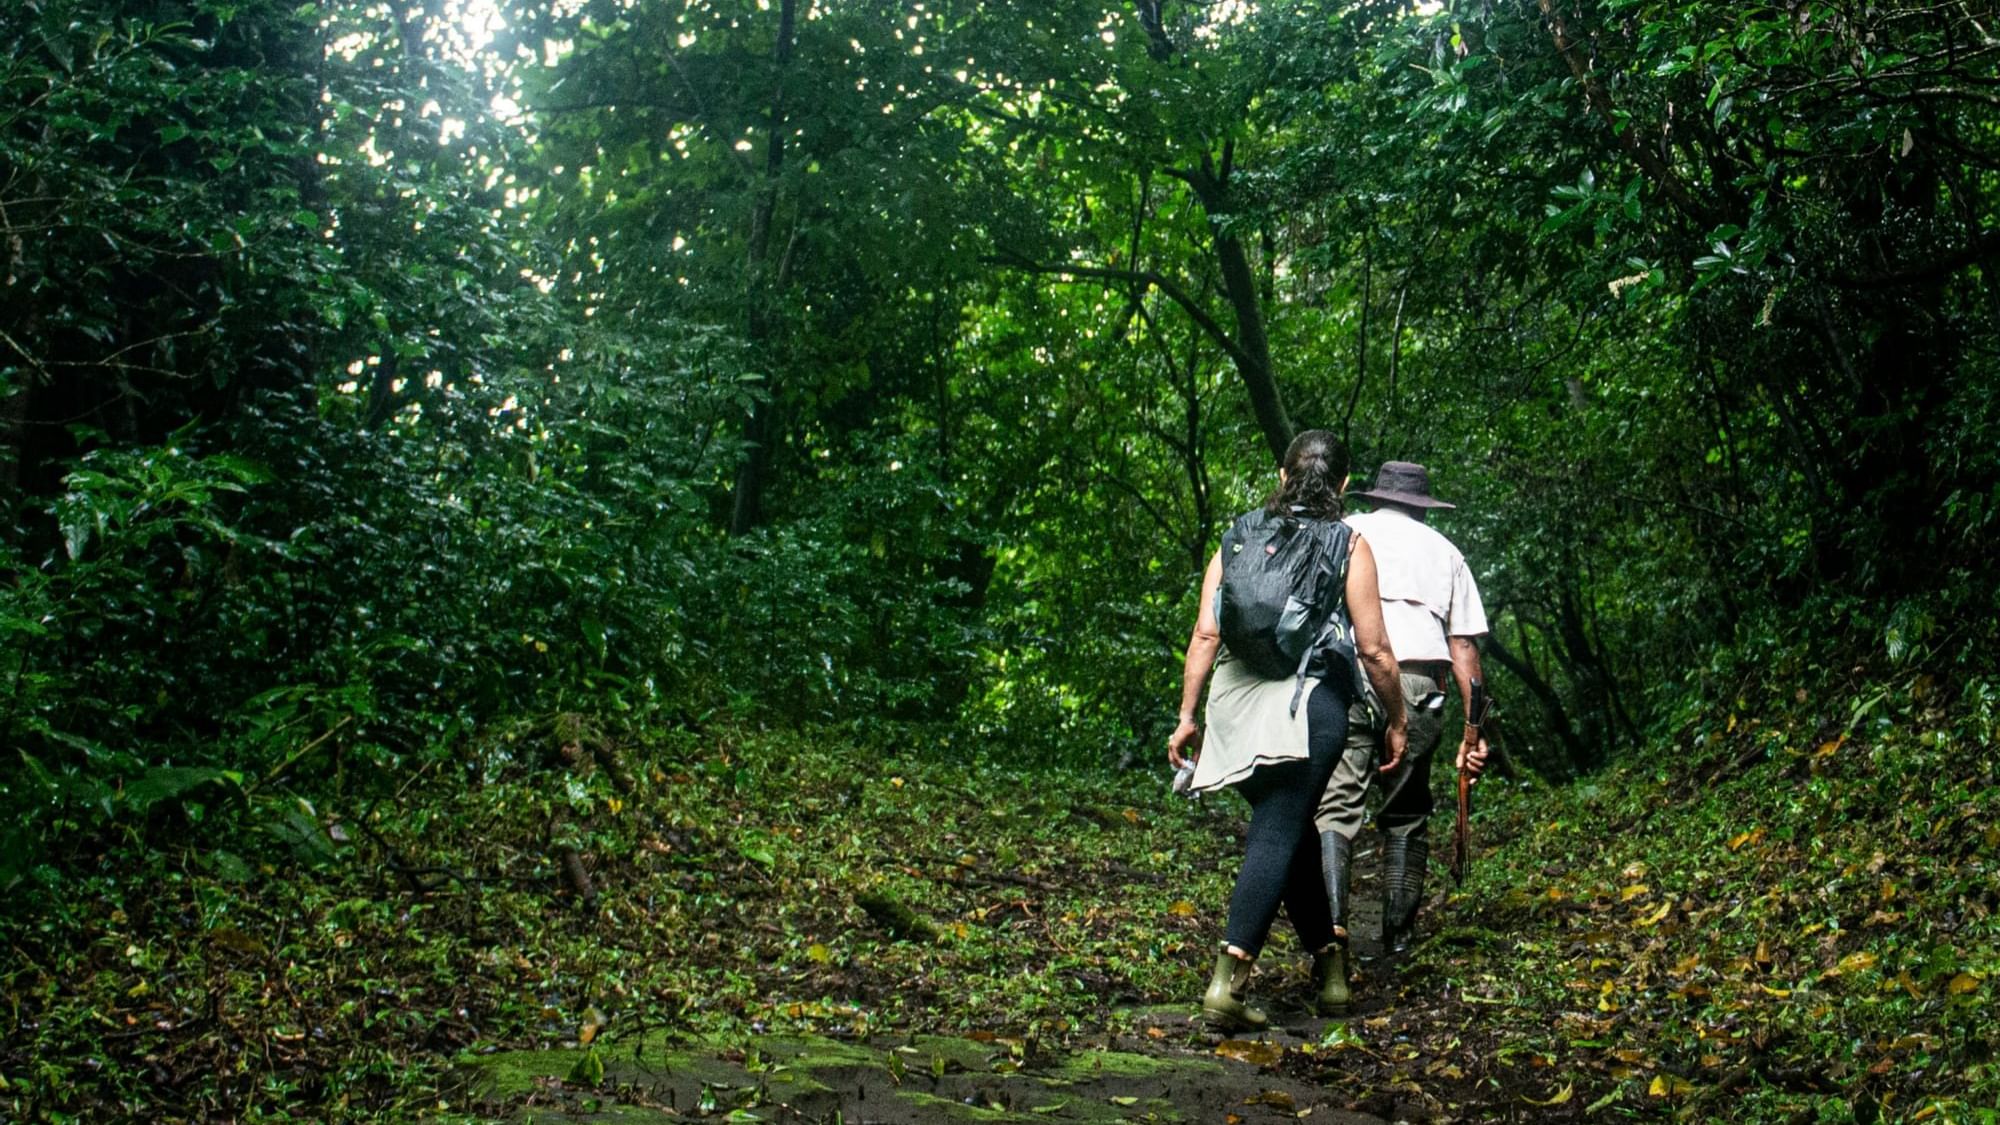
(1282, 607)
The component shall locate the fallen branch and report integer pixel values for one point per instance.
(576, 878)
(890, 913)
(302, 751)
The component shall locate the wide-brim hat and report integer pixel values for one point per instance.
(1403, 482)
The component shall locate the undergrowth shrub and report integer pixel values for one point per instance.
(334, 606)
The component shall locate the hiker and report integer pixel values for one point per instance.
(1431, 609)
(1274, 732)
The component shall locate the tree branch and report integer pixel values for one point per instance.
(1165, 285)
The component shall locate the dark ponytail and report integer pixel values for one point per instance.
(1315, 470)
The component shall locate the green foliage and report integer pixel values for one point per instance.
(379, 387)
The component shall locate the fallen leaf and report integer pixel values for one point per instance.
(1254, 1052)
(1156, 1033)
(819, 952)
(1277, 1099)
(1558, 1098)
(1181, 909)
(593, 1021)
(1124, 1099)
(1654, 918)
(1962, 984)
(588, 1071)
(1852, 963)
(1670, 1086)
(1632, 892)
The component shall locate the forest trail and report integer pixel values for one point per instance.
(825, 929)
(1157, 1064)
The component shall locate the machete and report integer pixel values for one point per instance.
(1461, 836)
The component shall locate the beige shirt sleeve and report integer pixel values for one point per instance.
(1467, 612)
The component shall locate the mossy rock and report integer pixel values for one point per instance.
(1086, 1066)
(651, 1061)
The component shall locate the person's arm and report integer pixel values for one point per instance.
(1371, 643)
(1465, 669)
(1201, 651)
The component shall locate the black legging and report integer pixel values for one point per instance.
(1281, 863)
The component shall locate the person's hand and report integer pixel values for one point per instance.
(1185, 744)
(1395, 741)
(1472, 752)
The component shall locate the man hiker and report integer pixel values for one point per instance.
(1432, 613)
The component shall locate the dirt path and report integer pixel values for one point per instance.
(1165, 1068)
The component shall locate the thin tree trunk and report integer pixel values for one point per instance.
(1360, 343)
(753, 471)
(1545, 693)
(1239, 283)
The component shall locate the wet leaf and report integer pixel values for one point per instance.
(1252, 1051)
(1670, 1086)
(1852, 963)
(588, 1071)
(1558, 1098)
(1341, 1037)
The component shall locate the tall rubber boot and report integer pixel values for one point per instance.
(1222, 1006)
(1405, 860)
(1330, 992)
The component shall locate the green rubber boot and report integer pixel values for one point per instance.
(1330, 993)
(1222, 1006)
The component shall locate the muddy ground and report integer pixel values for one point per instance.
(1161, 1066)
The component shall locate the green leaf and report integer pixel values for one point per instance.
(588, 1071)
(230, 867)
(173, 783)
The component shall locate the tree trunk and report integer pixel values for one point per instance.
(753, 472)
(1239, 282)
(1557, 716)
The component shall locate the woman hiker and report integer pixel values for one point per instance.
(1277, 740)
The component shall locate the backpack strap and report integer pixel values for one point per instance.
(1299, 690)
